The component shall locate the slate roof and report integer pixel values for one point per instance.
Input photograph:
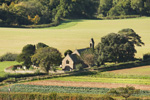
(75, 58)
(82, 50)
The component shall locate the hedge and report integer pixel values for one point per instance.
(51, 96)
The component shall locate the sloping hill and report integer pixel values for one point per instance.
(73, 34)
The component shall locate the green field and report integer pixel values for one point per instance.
(4, 65)
(73, 34)
(61, 89)
(104, 80)
(139, 71)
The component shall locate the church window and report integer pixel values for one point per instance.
(67, 62)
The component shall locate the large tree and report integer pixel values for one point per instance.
(117, 47)
(132, 36)
(46, 58)
(26, 54)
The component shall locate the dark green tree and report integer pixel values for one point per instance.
(117, 47)
(105, 6)
(26, 54)
(122, 7)
(100, 54)
(67, 52)
(132, 36)
(46, 58)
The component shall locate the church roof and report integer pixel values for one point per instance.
(80, 51)
(75, 58)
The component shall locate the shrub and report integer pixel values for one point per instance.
(8, 57)
(79, 67)
(146, 57)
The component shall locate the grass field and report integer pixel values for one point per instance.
(143, 70)
(104, 80)
(4, 65)
(73, 34)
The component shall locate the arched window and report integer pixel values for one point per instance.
(67, 62)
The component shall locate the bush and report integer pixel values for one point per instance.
(146, 57)
(79, 67)
(8, 57)
(51, 96)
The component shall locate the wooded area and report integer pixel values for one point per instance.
(25, 12)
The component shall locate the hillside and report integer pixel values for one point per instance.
(73, 34)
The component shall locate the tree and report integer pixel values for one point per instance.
(26, 54)
(121, 8)
(125, 92)
(117, 47)
(67, 52)
(104, 6)
(131, 35)
(46, 58)
(138, 6)
(41, 45)
(100, 55)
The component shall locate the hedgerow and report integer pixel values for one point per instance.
(50, 96)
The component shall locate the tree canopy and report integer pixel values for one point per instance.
(46, 58)
(50, 11)
(26, 54)
(117, 47)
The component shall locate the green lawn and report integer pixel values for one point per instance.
(73, 34)
(4, 65)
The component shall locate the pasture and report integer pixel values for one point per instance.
(4, 65)
(73, 34)
(143, 70)
(104, 80)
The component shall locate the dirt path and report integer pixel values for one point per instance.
(86, 84)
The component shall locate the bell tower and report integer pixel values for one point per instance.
(92, 43)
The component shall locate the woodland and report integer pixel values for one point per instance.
(32, 12)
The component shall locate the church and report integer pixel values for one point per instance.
(70, 61)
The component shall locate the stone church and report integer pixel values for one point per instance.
(70, 61)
